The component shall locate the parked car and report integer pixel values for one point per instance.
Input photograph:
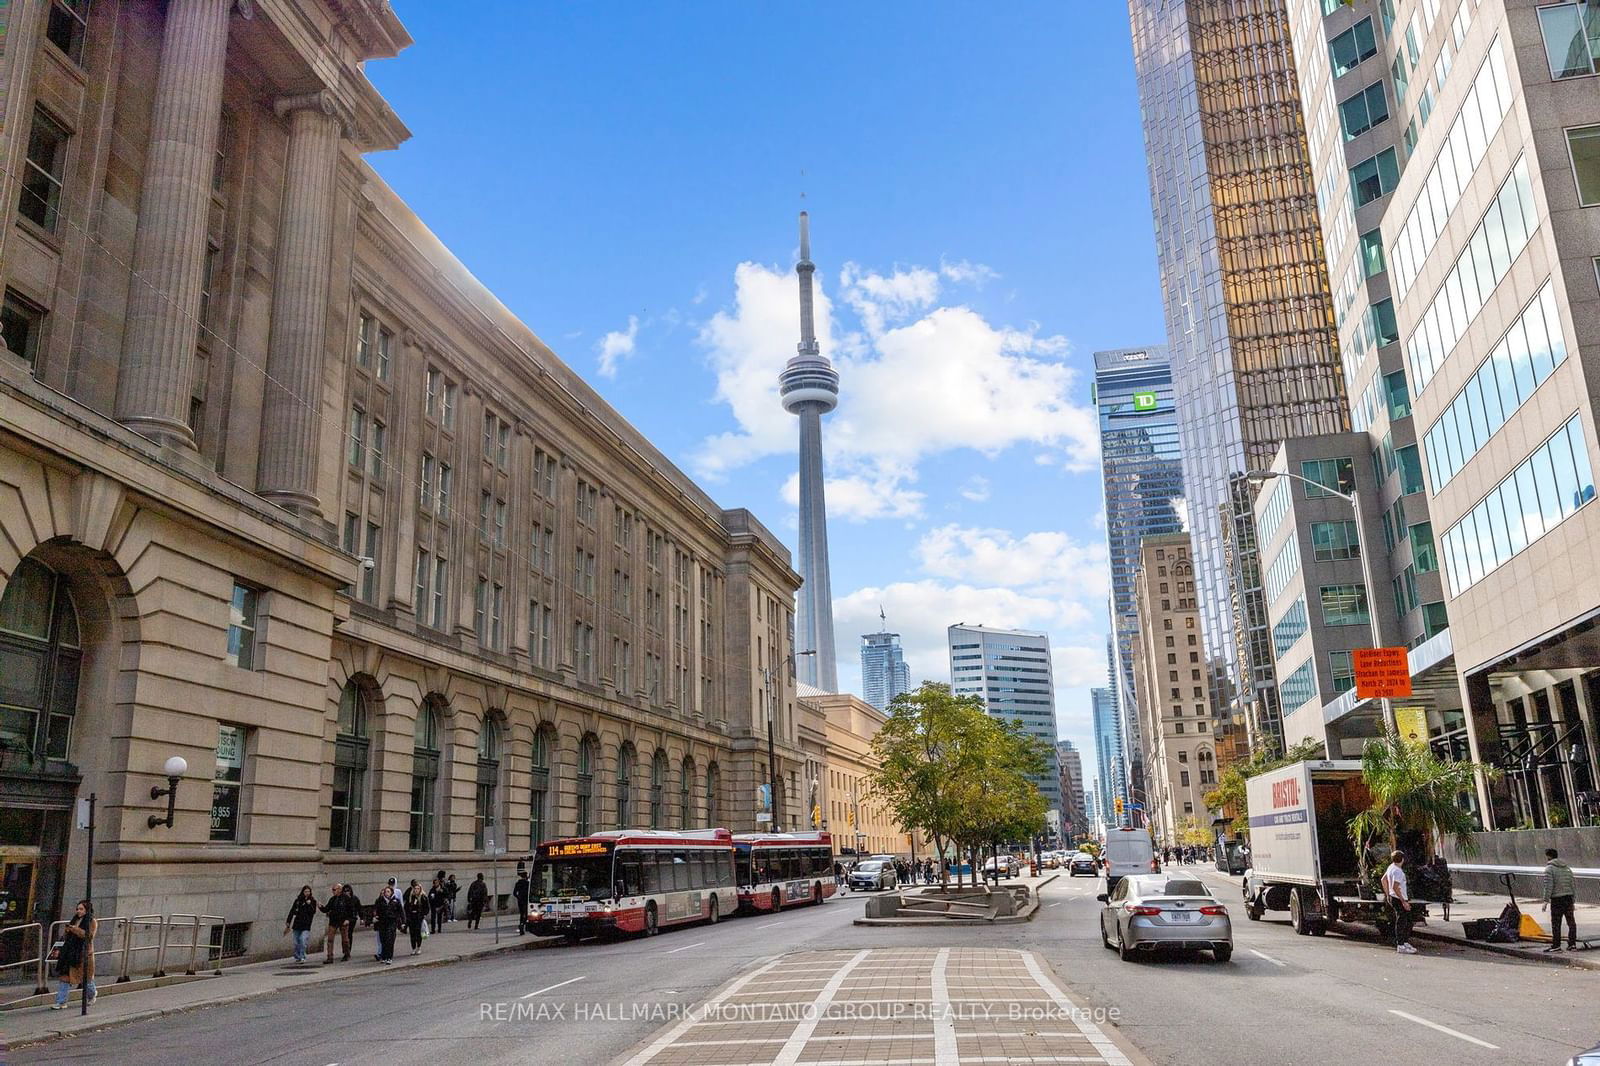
(1082, 863)
(1146, 912)
(873, 874)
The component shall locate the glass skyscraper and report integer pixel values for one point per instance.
(1009, 669)
(884, 673)
(1107, 748)
(1250, 328)
(1141, 472)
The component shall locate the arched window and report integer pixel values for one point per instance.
(425, 775)
(41, 650)
(485, 815)
(685, 787)
(658, 790)
(713, 782)
(588, 753)
(624, 786)
(352, 745)
(544, 742)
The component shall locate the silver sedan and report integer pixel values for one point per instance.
(1148, 912)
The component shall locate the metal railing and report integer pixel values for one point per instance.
(139, 943)
(30, 959)
(193, 922)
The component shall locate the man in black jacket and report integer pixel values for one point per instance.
(519, 892)
(340, 920)
(387, 915)
(477, 896)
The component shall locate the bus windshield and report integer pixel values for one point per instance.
(588, 877)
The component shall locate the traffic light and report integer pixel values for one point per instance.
(1117, 805)
(849, 817)
(816, 815)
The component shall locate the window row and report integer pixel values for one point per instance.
(1528, 353)
(1283, 569)
(1462, 150)
(1571, 39)
(1290, 628)
(1329, 477)
(1344, 605)
(1335, 540)
(1299, 688)
(1507, 226)
(1544, 490)
(1273, 514)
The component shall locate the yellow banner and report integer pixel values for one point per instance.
(1412, 724)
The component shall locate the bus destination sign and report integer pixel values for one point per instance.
(578, 847)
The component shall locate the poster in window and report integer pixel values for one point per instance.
(225, 785)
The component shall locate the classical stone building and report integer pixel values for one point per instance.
(286, 493)
(1175, 722)
(859, 819)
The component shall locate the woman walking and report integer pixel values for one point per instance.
(302, 913)
(387, 914)
(438, 905)
(416, 912)
(75, 964)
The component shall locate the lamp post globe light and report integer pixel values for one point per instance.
(1353, 498)
(174, 768)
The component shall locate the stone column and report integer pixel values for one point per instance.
(287, 471)
(158, 348)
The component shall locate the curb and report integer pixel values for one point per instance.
(162, 1012)
(1025, 915)
(1564, 958)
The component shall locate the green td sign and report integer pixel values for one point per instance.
(1144, 401)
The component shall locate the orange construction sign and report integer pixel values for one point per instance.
(1382, 673)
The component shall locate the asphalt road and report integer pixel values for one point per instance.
(1283, 998)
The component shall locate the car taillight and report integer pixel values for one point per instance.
(1133, 909)
(1214, 911)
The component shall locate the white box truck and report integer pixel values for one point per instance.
(1301, 857)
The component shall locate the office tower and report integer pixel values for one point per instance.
(1010, 670)
(884, 673)
(1074, 819)
(1174, 718)
(1250, 330)
(1141, 474)
(1108, 752)
(809, 387)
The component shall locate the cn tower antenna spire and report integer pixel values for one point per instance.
(805, 268)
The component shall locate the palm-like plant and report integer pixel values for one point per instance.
(1411, 786)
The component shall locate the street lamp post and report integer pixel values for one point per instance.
(772, 753)
(1353, 498)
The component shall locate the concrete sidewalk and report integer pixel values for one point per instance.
(26, 1025)
(1469, 906)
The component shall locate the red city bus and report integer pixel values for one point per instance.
(776, 869)
(631, 881)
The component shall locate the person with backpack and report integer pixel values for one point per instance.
(75, 961)
(387, 915)
(415, 908)
(477, 896)
(1559, 897)
(519, 892)
(1398, 895)
(302, 913)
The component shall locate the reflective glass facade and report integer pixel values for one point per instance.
(1249, 320)
(1009, 669)
(1141, 470)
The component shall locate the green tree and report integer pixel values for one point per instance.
(1414, 789)
(1191, 832)
(1229, 795)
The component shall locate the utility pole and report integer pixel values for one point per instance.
(772, 753)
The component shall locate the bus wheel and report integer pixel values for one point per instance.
(650, 926)
(572, 937)
(777, 900)
(816, 893)
(715, 917)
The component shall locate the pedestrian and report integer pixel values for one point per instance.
(75, 962)
(477, 896)
(353, 909)
(302, 913)
(1558, 897)
(387, 914)
(438, 905)
(1398, 895)
(451, 887)
(415, 906)
(519, 892)
(340, 918)
(838, 873)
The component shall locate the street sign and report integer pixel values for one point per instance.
(1382, 673)
(1412, 724)
(490, 845)
(762, 817)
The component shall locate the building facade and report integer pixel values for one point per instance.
(1250, 330)
(293, 498)
(861, 821)
(1010, 670)
(1175, 717)
(1110, 785)
(884, 673)
(1074, 816)
(1141, 473)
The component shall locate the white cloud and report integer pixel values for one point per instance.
(917, 379)
(1046, 561)
(856, 499)
(976, 489)
(964, 272)
(617, 346)
(1180, 504)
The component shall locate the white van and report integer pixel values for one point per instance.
(1128, 852)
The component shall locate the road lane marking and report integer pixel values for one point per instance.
(1108, 1051)
(1445, 1029)
(790, 1052)
(665, 1039)
(1269, 958)
(944, 1026)
(552, 988)
(1057, 903)
(686, 947)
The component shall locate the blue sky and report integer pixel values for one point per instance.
(626, 178)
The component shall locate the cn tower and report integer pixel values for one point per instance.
(809, 387)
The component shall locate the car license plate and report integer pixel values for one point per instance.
(1179, 916)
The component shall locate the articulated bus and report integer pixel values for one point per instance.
(776, 869)
(631, 881)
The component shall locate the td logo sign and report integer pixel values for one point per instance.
(1144, 401)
